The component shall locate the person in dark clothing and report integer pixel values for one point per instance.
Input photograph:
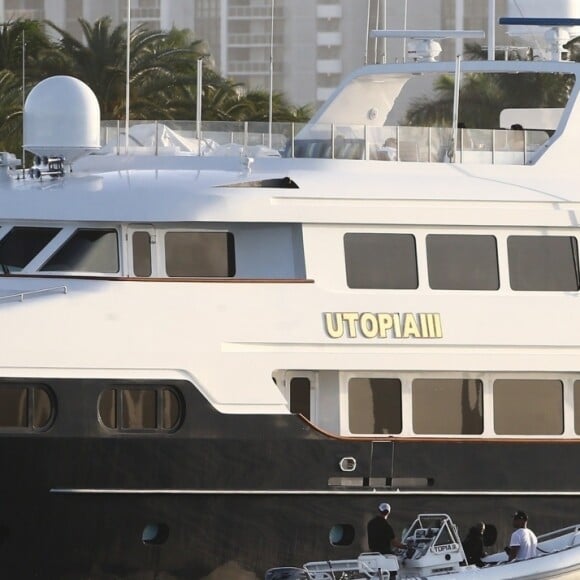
(381, 536)
(473, 545)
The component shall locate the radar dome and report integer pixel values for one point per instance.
(62, 118)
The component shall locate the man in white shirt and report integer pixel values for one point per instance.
(523, 542)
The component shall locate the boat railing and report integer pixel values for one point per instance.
(323, 141)
(29, 293)
(559, 539)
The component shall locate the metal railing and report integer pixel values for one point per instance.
(385, 143)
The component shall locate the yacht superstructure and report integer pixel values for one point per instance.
(208, 344)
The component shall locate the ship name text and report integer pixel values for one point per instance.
(383, 325)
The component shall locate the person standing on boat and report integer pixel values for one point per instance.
(381, 536)
(523, 542)
(473, 545)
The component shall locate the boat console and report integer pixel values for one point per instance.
(433, 547)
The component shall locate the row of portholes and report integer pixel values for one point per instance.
(157, 534)
(30, 407)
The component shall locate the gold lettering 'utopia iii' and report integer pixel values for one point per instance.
(383, 325)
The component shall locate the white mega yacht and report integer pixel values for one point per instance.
(220, 351)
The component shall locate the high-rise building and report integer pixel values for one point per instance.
(314, 43)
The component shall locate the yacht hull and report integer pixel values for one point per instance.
(233, 495)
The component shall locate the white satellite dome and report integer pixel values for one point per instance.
(62, 118)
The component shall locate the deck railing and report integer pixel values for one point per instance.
(386, 143)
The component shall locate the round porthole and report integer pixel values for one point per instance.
(341, 535)
(155, 534)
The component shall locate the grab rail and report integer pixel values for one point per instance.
(27, 293)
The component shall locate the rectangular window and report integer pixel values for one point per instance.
(87, 250)
(21, 244)
(386, 261)
(528, 407)
(448, 406)
(300, 396)
(458, 262)
(142, 254)
(374, 405)
(139, 409)
(577, 407)
(546, 263)
(14, 407)
(199, 254)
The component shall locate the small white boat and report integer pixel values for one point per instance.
(434, 551)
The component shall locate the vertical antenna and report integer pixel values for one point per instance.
(271, 78)
(367, 32)
(459, 20)
(384, 28)
(378, 16)
(455, 122)
(198, 103)
(127, 79)
(23, 96)
(405, 28)
(491, 30)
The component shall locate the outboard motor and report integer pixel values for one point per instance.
(286, 574)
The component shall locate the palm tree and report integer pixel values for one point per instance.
(484, 96)
(159, 62)
(256, 105)
(10, 111)
(18, 38)
(16, 34)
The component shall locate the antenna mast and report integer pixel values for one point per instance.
(23, 96)
(127, 80)
(270, 108)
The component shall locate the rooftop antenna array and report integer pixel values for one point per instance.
(420, 39)
(556, 35)
(423, 44)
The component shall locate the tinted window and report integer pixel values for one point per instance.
(87, 251)
(25, 407)
(380, 261)
(140, 409)
(448, 406)
(20, 245)
(577, 407)
(300, 396)
(528, 407)
(462, 262)
(374, 405)
(543, 263)
(141, 254)
(199, 254)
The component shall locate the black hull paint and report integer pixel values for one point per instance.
(244, 493)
